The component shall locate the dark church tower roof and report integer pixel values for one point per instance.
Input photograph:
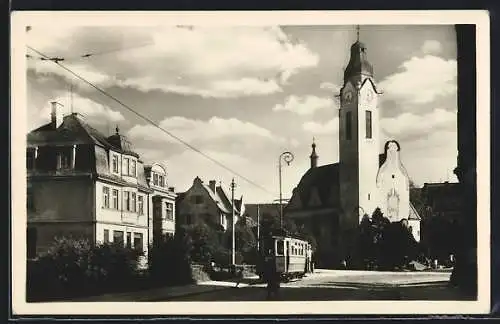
(358, 63)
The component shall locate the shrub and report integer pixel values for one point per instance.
(170, 261)
(75, 266)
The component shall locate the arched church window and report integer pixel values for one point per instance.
(368, 117)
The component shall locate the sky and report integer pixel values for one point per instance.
(243, 95)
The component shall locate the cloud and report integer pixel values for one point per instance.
(198, 130)
(412, 125)
(94, 112)
(205, 61)
(431, 47)
(330, 127)
(304, 105)
(421, 80)
(330, 86)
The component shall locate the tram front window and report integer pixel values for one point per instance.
(280, 248)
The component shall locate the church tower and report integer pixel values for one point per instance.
(313, 156)
(358, 139)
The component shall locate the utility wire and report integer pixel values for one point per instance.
(149, 120)
(89, 54)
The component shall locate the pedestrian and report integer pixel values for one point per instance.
(271, 275)
(312, 262)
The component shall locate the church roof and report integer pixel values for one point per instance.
(358, 63)
(323, 181)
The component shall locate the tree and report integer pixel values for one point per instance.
(202, 241)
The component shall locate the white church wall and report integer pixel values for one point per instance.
(415, 225)
(393, 186)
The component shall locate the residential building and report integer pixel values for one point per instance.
(83, 184)
(162, 212)
(209, 203)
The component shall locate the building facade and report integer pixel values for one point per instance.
(162, 203)
(208, 203)
(83, 184)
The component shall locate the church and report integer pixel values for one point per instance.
(330, 200)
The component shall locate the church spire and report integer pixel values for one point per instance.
(314, 156)
(358, 62)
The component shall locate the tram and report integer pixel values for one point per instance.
(290, 254)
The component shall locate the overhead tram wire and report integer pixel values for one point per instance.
(149, 120)
(91, 54)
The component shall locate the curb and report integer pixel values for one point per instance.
(216, 288)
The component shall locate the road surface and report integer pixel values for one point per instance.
(341, 285)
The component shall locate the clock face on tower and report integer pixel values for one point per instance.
(347, 96)
(368, 96)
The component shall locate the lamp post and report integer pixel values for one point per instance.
(287, 157)
(233, 185)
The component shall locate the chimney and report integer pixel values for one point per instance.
(55, 115)
(211, 184)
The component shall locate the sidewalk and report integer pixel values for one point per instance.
(169, 292)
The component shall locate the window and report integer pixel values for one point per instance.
(280, 248)
(155, 179)
(161, 183)
(105, 197)
(126, 200)
(115, 198)
(63, 160)
(132, 202)
(132, 168)
(114, 163)
(129, 240)
(30, 199)
(106, 236)
(138, 242)
(368, 124)
(126, 165)
(348, 125)
(118, 237)
(140, 204)
(169, 211)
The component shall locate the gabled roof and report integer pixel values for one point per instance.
(325, 181)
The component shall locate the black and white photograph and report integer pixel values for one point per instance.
(246, 163)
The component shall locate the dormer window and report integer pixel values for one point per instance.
(161, 181)
(126, 165)
(132, 168)
(114, 163)
(64, 159)
(155, 179)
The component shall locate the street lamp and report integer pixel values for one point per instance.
(233, 185)
(287, 157)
